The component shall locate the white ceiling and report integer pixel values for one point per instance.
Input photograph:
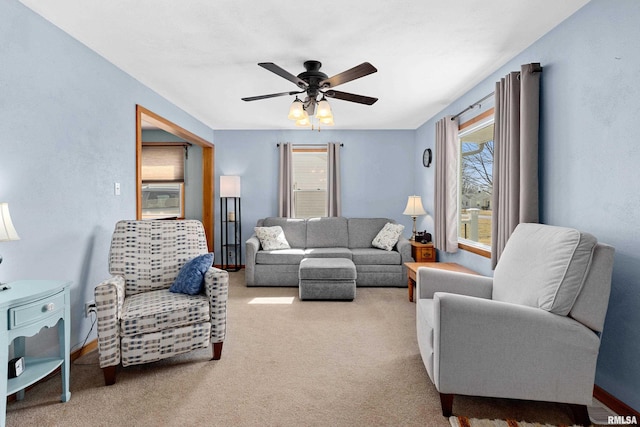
(202, 55)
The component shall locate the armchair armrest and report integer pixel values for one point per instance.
(430, 280)
(216, 287)
(109, 297)
(252, 246)
(491, 348)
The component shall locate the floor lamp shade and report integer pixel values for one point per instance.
(229, 186)
(7, 230)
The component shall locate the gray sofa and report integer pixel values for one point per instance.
(336, 237)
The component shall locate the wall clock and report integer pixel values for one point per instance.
(426, 158)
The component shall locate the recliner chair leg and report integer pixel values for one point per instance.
(109, 375)
(580, 414)
(446, 402)
(217, 350)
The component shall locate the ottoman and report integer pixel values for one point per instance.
(327, 279)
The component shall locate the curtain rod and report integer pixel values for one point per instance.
(310, 145)
(470, 107)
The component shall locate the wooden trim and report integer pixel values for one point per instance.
(168, 126)
(89, 347)
(208, 166)
(613, 403)
(478, 251)
(490, 112)
(309, 150)
(208, 193)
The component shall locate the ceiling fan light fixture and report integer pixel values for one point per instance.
(296, 111)
(326, 121)
(323, 109)
(304, 121)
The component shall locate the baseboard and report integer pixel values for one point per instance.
(90, 346)
(611, 402)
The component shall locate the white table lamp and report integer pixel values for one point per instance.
(414, 209)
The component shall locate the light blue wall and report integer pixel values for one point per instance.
(589, 160)
(67, 133)
(377, 172)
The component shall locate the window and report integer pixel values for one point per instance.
(309, 182)
(476, 183)
(163, 181)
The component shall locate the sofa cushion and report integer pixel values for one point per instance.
(295, 230)
(280, 256)
(543, 266)
(328, 253)
(158, 310)
(190, 278)
(327, 232)
(388, 237)
(365, 256)
(272, 238)
(362, 231)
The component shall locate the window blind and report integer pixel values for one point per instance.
(162, 163)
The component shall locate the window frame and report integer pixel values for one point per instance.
(479, 121)
(309, 149)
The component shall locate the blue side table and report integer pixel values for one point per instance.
(25, 308)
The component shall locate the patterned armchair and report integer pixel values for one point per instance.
(139, 320)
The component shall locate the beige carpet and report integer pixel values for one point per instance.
(285, 362)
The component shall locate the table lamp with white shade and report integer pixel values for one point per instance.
(7, 230)
(414, 209)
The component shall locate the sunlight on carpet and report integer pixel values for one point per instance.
(272, 300)
(474, 422)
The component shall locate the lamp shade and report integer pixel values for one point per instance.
(7, 230)
(414, 207)
(229, 186)
(296, 111)
(323, 111)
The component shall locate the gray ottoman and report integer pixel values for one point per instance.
(327, 279)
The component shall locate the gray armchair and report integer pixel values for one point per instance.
(139, 319)
(531, 332)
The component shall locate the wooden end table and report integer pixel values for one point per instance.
(412, 268)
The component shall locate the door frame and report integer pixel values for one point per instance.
(208, 165)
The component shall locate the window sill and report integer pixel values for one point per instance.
(474, 249)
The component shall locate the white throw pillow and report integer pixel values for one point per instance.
(272, 238)
(388, 236)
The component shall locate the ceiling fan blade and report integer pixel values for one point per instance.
(356, 72)
(272, 95)
(283, 73)
(352, 97)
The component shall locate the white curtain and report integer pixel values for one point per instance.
(515, 159)
(334, 203)
(446, 188)
(285, 181)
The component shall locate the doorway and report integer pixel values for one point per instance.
(208, 161)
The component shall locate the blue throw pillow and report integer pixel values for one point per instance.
(191, 276)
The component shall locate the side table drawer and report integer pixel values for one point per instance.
(35, 311)
(426, 253)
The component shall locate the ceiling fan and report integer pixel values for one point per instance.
(314, 82)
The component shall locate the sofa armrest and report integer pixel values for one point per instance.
(485, 347)
(109, 296)
(404, 247)
(431, 280)
(216, 287)
(252, 246)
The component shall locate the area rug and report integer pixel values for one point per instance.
(474, 422)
